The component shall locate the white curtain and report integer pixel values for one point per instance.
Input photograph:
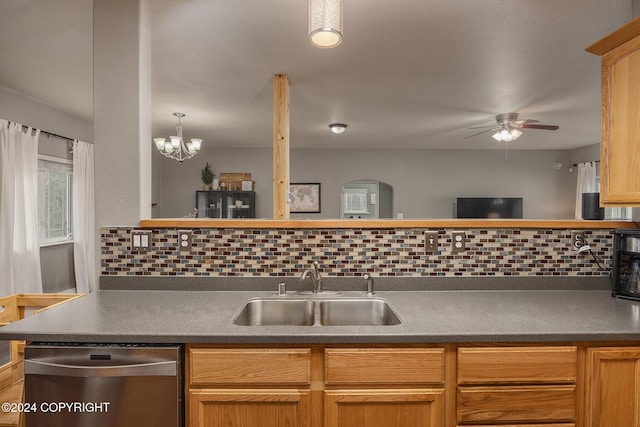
(586, 184)
(84, 249)
(19, 244)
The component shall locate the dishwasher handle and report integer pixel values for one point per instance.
(165, 368)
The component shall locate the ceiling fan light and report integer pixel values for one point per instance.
(325, 23)
(502, 135)
(515, 134)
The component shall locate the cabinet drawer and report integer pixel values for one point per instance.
(494, 365)
(528, 425)
(516, 404)
(384, 366)
(249, 366)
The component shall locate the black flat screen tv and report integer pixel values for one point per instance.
(489, 207)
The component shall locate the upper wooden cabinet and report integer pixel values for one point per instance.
(620, 144)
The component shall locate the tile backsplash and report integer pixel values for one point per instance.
(352, 252)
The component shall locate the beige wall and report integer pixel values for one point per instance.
(425, 182)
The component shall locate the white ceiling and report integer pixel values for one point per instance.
(409, 73)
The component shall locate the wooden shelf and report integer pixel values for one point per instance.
(381, 223)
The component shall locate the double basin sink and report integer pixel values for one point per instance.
(332, 311)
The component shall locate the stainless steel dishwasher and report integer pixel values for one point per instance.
(102, 385)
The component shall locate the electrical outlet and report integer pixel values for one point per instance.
(458, 241)
(185, 240)
(577, 240)
(430, 241)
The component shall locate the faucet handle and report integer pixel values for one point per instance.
(282, 289)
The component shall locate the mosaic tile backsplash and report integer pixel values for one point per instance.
(352, 252)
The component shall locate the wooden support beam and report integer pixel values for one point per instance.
(280, 146)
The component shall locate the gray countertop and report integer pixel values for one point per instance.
(149, 316)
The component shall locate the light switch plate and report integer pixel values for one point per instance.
(458, 241)
(140, 240)
(185, 240)
(430, 241)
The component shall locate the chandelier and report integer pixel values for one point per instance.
(176, 148)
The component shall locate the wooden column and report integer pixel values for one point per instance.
(280, 146)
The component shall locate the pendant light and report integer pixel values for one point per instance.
(325, 23)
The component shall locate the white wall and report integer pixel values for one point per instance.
(30, 112)
(56, 261)
(425, 182)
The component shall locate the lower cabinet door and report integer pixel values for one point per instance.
(248, 408)
(613, 387)
(384, 408)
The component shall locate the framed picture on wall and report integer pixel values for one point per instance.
(304, 197)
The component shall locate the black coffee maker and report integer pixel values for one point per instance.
(625, 270)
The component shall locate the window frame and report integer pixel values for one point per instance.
(62, 165)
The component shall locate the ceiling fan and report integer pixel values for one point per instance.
(508, 127)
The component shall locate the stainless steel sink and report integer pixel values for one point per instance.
(320, 312)
(357, 311)
(274, 312)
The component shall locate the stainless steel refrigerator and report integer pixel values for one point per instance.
(366, 199)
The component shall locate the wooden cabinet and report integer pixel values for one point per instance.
(315, 387)
(516, 385)
(613, 387)
(384, 408)
(390, 387)
(240, 408)
(397, 386)
(248, 387)
(620, 144)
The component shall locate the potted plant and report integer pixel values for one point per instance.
(207, 176)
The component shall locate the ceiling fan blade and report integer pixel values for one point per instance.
(482, 127)
(543, 127)
(523, 122)
(479, 133)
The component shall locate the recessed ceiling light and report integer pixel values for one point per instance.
(337, 127)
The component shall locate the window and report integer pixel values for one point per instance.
(54, 200)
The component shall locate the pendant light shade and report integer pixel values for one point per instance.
(325, 23)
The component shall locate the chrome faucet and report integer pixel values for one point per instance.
(314, 274)
(369, 280)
